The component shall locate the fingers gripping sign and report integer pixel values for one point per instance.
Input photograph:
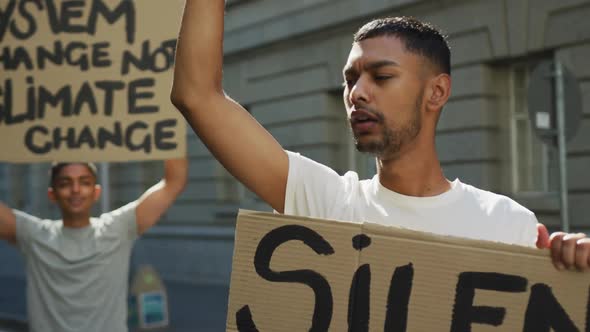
(568, 251)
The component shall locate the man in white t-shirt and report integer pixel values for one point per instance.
(396, 82)
(77, 268)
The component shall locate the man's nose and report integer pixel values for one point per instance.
(359, 93)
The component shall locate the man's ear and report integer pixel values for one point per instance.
(438, 92)
(97, 192)
(51, 195)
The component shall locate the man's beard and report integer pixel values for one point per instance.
(392, 140)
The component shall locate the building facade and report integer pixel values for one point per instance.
(283, 62)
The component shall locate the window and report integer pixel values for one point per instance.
(532, 162)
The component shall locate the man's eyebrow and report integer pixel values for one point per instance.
(69, 178)
(381, 63)
(370, 66)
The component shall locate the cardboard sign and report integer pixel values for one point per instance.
(88, 80)
(299, 274)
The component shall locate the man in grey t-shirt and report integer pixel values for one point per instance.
(77, 268)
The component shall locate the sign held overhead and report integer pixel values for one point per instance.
(88, 80)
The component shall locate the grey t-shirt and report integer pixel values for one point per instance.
(77, 277)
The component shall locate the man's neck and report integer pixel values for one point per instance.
(413, 173)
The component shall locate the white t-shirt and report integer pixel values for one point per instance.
(315, 190)
(77, 277)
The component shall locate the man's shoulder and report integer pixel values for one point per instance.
(494, 202)
(311, 170)
(29, 221)
(119, 221)
(31, 229)
(506, 219)
(121, 212)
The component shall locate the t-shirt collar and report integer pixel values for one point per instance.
(398, 199)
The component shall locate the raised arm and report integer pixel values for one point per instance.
(7, 224)
(156, 200)
(234, 137)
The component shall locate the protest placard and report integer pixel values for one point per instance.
(88, 80)
(302, 274)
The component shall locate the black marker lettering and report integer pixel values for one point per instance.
(69, 10)
(133, 95)
(322, 314)
(161, 134)
(19, 57)
(54, 23)
(544, 313)
(161, 59)
(359, 296)
(82, 60)
(359, 299)
(465, 313)
(31, 25)
(6, 106)
(30, 140)
(170, 47)
(85, 96)
(69, 138)
(9, 116)
(244, 320)
(5, 16)
(115, 137)
(360, 241)
(398, 299)
(56, 56)
(139, 63)
(109, 88)
(63, 97)
(125, 9)
(85, 137)
(31, 98)
(100, 55)
(145, 144)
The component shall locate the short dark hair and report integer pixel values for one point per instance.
(56, 168)
(418, 37)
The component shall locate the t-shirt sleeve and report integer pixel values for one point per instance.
(313, 189)
(26, 228)
(530, 233)
(124, 221)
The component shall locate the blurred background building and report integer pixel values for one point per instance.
(283, 61)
